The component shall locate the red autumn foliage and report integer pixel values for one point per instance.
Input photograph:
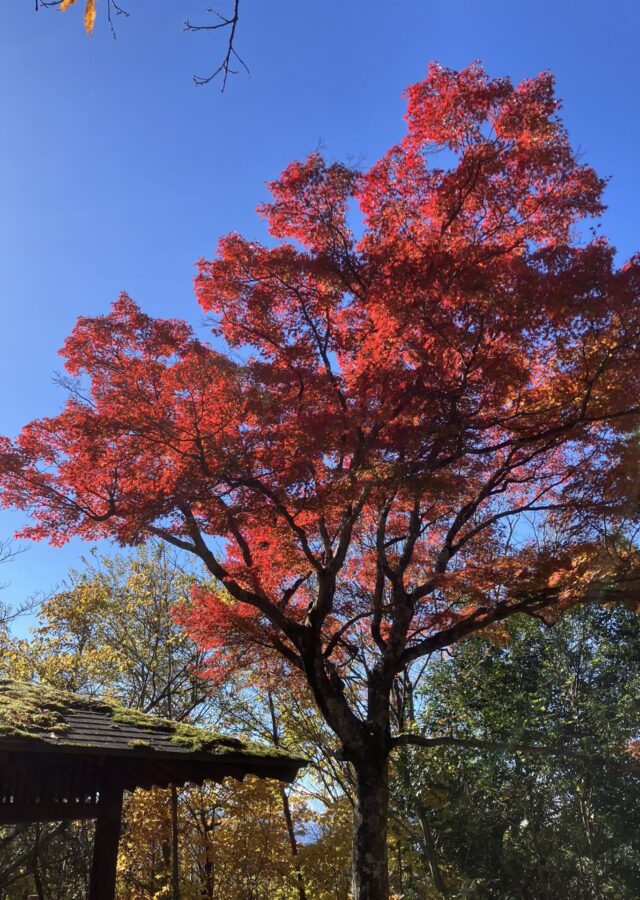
(465, 344)
(465, 351)
(416, 424)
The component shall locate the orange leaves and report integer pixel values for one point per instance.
(633, 750)
(138, 434)
(89, 15)
(235, 636)
(89, 12)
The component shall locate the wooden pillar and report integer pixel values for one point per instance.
(102, 885)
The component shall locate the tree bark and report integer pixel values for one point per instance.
(370, 874)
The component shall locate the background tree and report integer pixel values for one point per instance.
(523, 826)
(416, 434)
(233, 838)
(112, 631)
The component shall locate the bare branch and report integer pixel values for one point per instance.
(230, 23)
(225, 68)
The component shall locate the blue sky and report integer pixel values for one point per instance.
(117, 173)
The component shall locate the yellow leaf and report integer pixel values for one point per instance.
(89, 15)
(66, 4)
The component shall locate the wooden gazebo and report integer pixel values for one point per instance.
(64, 756)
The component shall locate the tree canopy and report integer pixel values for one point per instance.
(423, 423)
(524, 825)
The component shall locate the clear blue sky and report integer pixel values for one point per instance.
(116, 173)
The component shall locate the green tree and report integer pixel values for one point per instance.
(522, 824)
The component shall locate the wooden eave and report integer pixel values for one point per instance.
(51, 776)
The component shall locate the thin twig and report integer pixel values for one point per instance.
(119, 11)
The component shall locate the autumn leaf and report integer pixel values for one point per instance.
(89, 15)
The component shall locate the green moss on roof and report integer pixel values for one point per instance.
(183, 735)
(139, 744)
(190, 737)
(32, 711)
(42, 713)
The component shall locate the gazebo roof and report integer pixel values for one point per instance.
(55, 745)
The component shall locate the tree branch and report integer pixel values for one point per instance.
(224, 69)
(418, 740)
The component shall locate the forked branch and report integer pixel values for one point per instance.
(231, 57)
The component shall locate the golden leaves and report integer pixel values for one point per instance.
(89, 13)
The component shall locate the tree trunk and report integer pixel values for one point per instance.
(370, 873)
(429, 847)
(175, 844)
(275, 731)
(293, 843)
(37, 880)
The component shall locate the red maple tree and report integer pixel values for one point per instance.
(418, 431)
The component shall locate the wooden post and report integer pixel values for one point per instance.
(102, 885)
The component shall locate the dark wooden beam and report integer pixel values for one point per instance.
(102, 885)
(21, 813)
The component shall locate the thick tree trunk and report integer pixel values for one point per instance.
(370, 875)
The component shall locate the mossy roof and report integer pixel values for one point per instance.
(40, 718)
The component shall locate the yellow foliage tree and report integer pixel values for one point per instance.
(234, 840)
